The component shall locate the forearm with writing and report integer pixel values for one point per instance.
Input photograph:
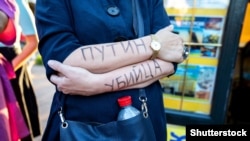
(134, 76)
(101, 58)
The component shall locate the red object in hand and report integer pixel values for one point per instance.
(8, 36)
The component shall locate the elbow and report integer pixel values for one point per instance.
(31, 40)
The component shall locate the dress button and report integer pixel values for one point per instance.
(113, 11)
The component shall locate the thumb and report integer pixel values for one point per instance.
(57, 66)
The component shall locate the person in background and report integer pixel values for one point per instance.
(29, 33)
(7, 22)
(18, 57)
(32, 4)
(90, 50)
(3, 21)
(12, 123)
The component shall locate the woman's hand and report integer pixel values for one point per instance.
(171, 45)
(74, 80)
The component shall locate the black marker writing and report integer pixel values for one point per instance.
(129, 46)
(138, 73)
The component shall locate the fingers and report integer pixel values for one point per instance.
(59, 82)
(62, 79)
(55, 65)
(170, 27)
(56, 79)
(58, 66)
(162, 33)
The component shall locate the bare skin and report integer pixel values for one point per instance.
(3, 21)
(30, 47)
(119, 66)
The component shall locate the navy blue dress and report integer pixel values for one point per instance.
(65, 25)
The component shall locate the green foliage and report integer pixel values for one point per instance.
(39, 60)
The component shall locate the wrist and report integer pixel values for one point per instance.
(155, 46)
